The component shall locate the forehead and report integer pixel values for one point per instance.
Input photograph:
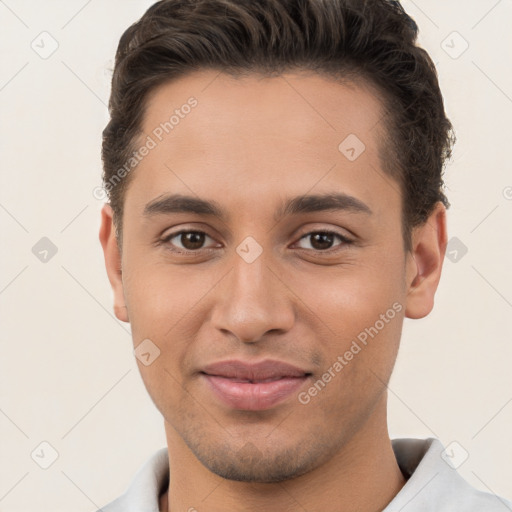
(306, 104)
(259, 133)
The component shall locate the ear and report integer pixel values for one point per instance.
(113, 261)
(425, 262)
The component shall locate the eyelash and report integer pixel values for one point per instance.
(345, 241)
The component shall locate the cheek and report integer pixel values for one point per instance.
(351, 297)
(358, 362)
(160, 302)
(158, 296)
(360, 311)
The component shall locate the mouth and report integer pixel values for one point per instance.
(253, 386)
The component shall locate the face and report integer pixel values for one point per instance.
(301, 302)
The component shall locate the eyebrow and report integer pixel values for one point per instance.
(177, 203)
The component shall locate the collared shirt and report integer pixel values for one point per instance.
(433, 485)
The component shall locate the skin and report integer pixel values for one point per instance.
(250, 144)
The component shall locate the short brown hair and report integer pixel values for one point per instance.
(373, 40)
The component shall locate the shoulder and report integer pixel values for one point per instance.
(433, 483)
(142, 495)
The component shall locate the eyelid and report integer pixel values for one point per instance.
(187, 228)
(345, 234)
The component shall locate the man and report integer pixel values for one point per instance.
(274, 170)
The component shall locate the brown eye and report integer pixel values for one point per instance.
(187, 240)
(192, 240)
(323, 240)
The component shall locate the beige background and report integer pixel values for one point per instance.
(67, 373)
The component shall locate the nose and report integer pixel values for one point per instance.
(253, 300)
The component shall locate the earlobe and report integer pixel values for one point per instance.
(113, 261)
(425, 263)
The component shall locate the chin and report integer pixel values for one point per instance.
(249, 464)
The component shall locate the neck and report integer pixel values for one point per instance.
(362, 476)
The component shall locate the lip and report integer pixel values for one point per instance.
(253, 386)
